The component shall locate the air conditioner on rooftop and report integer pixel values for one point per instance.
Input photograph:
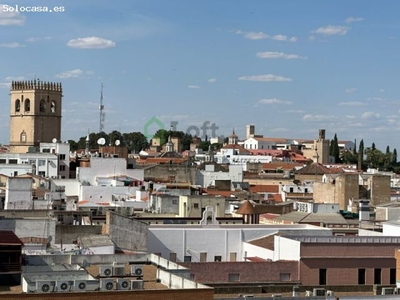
(123, 284)
(387, 291)
(106, 284)
(118, 271)
(105, 271)
(319, 292)
(63, 286)
(137, 284)
(45, 286)
(137, 271)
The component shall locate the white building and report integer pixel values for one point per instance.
(207, 177)
(259, 143)
(209, 242)
(62, 152)
(232, 157)
(41, 164)
(18, 193)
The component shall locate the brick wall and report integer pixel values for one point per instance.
(249, 272)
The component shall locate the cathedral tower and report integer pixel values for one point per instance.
(35, 114)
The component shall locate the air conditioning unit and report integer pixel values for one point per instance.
(319, 292)
(137, 284)
(387, 291)
(80, 285)
(118, 271)
(330, 293)
(137, 271)
(106, 284)
(123, 284)
(105, 271)
(63, 286)
(45, 286)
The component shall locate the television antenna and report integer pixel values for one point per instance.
(102, 112)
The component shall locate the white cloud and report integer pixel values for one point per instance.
(273, 101)
(352, 103)
(353, 19)
(332, 30)
(194, 87)
(376, 99)
(267, 77)
(317, 118)
(11, 45)
(70, 74)
(34, 39)
(92, 42)
(212, 80)
(294, 111)
(7, 81)
(262, 36)
(382, 90)
(370, 115)
(283, 38)
(350, 90)
(8, 18)
(269, 54)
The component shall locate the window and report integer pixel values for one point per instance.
(377, 276)
(174, 201)
(12, 161)
(361, 276)
(322, 276)
(62, 156)
(62, 168)
(53, 107)
(46, 150)
(17, 105)
(306, 190)
(232, 256)
(187, 258)
(196, 205)
(2, 161)
(233, 277)
(203, 256)
(27, 105)
(23, 137)
(392, 276)
(42, 173)
(42, 106)
(284, 276)
(172, 256)
(291, 190)
(42, 162)
(218, 258)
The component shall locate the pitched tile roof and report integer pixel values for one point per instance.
(8, 237)
(314, 169)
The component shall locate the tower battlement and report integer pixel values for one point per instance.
(36, 85)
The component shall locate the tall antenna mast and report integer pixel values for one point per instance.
(102, 113)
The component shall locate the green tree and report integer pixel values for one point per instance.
(373, 146)
(204, 145)
(394, 157)
(335, 152)
(135, 141)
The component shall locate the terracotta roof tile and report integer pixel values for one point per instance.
(264, 188)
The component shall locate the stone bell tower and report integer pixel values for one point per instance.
(35, 114)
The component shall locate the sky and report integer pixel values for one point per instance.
(288, 67)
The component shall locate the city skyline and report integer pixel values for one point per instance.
(288, 67)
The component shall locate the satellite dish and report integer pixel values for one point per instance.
(54, 140)
(117, 142)
(101, 141)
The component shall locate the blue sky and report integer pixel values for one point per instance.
(289, 67)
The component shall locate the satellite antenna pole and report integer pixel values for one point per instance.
(102, 113)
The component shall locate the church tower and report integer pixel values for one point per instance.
(35, 114)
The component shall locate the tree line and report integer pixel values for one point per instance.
(369, 157)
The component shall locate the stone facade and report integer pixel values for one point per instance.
(35, 114)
